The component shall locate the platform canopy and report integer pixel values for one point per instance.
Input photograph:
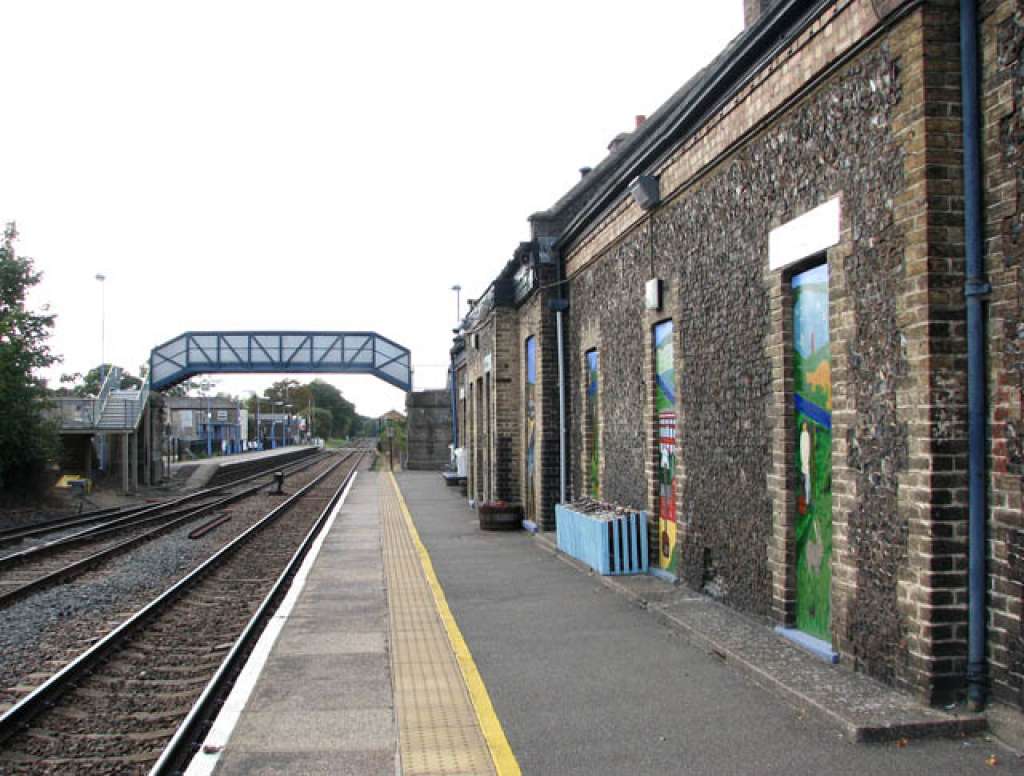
(323, 352)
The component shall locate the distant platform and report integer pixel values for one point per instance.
(204, 471)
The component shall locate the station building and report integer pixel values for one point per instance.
(216, 421)
(750, 321)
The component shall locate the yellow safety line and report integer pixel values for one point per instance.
(505, 762)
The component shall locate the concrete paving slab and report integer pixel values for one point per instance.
(369, 763)
(352, 576)
(336, 730)
(334, 610)
(356, 547)
(288, 673)
(365, 598)
(311, 639)
(335, 682)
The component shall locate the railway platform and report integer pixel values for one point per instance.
(194, 475)
(412, 642)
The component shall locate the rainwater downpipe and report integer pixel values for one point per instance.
(453, 407)
(560, 304)
(975, 290)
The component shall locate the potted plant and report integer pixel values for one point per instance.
(500, 516)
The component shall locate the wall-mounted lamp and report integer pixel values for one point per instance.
(652, 294)
(546, 251)
(646, 191)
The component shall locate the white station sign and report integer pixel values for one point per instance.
(811, 233)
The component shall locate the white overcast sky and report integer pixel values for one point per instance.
(309, 165)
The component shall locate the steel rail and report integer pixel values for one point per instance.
(153, 512)
(75, 568)
(42, 697)
(183, 744)
(11, 535)
(15, 533)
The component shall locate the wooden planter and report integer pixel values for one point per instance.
(500, 516)
(608, 543)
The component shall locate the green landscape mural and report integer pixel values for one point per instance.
(593, 428)
(812, 358)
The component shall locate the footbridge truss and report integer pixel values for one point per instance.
(333, 352)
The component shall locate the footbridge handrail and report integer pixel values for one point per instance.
(111, 382)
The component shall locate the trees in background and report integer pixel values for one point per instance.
(27, 439)
(89, 384)
(333, 415)
(323, 424)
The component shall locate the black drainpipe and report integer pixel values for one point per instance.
(975, 290)
(560, 305)
(454, 405)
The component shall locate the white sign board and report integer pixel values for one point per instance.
(487, 363)
(811, 233)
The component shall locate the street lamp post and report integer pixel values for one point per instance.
(309, 414)
(103, 324)
(284, 428)
(273, 439)
(259, 426)
(391, 446)
(458, 302)
(103, 358)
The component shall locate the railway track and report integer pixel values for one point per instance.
(137, 699)
(25, 572)
(100, 517)
(16, 533)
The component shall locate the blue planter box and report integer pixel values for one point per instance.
(612, 546)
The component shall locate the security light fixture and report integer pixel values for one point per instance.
(546, 251)
(652, 294)
(646, 191)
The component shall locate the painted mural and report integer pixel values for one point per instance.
(531, 429)
(812, 357)
(665, 407)
(593, 427)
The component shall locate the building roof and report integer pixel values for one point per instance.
(680, 115)
(642, 150)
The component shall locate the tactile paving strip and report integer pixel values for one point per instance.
(437, 726)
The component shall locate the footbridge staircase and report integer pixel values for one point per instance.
(117, 418)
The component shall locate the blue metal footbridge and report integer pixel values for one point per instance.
(334, 352)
